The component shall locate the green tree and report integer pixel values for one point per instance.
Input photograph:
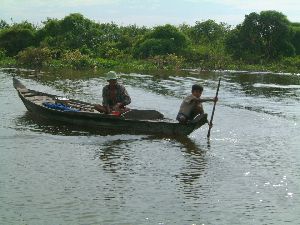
(261, 36)
(72, 32)
(3, 24)
(162, 40)
(185, 28)
(129, 35)
(15, 39)
(245, 42)
(276, 35)
(296, 37)
(208, 32)
(34, 57)
(25, 25)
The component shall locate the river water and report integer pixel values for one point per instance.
(248, 173)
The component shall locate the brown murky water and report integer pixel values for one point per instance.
(247, 174)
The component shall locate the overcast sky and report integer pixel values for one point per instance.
(145, 12)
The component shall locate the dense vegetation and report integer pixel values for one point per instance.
(264, 41)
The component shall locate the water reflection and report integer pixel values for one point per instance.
(250, 165)
(141, 158)
(192, 170)
(268, 85)
(113, 155)
(35, 123)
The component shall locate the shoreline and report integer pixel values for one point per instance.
(193, 71)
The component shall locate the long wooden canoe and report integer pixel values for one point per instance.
(83, 114)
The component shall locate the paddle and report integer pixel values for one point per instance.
(213, 112)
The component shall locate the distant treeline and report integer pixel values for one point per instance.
(266, 40)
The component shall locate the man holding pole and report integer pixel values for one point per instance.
(191, 106)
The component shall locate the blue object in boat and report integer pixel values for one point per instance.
(59, 106)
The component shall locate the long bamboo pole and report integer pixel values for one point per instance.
(213, 112)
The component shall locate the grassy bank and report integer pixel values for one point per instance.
(286, 65)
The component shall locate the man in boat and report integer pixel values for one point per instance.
(115, 97)
(191, 106)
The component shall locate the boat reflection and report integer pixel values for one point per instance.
(35, 123)
(121, 155)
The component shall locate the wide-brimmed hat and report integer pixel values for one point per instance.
(111, 75)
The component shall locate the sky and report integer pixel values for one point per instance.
(145, 12)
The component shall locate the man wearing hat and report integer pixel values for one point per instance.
(115, 97)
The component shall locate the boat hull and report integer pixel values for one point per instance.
(105, 122)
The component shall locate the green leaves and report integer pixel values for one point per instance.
(34, 57)
(162, 40)
(15, 39)
(208, 32)
(264, 36)
(78, 42)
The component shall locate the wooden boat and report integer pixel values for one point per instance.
(83, 114)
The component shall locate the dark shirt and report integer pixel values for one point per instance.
(115, 94)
